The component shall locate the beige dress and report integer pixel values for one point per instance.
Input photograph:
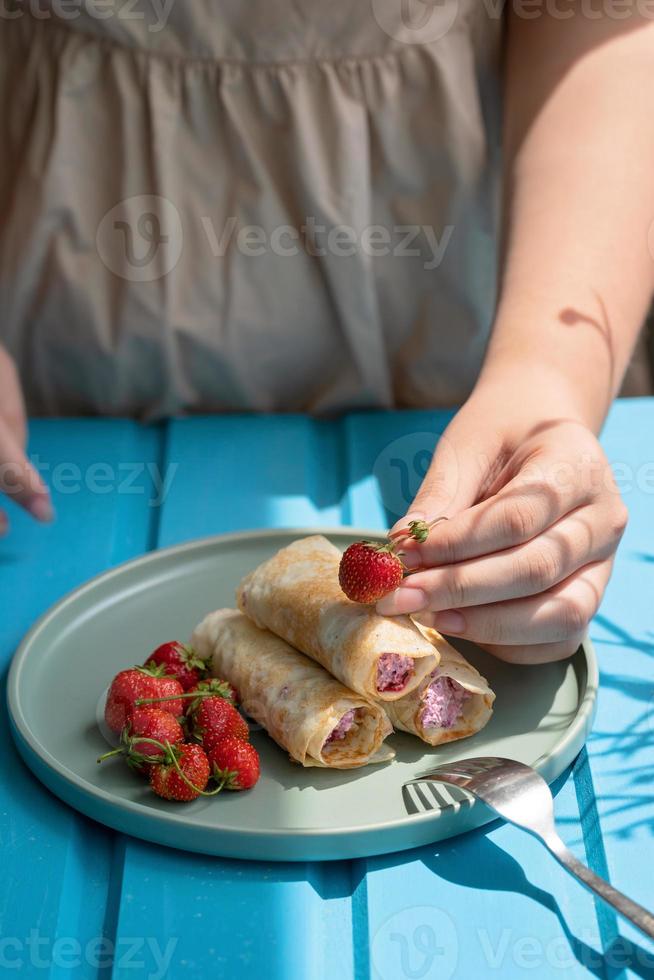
(279, 205)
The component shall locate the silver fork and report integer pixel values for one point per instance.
(520, 795)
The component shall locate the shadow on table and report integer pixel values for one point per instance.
(492, 869)
(508, 876)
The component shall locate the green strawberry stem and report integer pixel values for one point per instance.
(178, 697)
(171, 757)
(418, 530)
(228, 777)
(126, 748)
(185, 778)
(151, 670)
(108, 755)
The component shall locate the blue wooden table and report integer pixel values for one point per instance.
(77, 900)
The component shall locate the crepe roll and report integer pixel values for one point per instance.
(296, 594)
(302, 707)
(453, 702)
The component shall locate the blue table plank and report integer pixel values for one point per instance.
(58, 866)
(621, 746)
(236, 473)
(490, 903)
(479, 879)
(232, 918)
(359, 473)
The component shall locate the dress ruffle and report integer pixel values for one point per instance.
(163, 194)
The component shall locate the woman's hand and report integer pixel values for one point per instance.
(18, 479)
(535, 518)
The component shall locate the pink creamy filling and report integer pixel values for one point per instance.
(443, 703)
(393, 671)
(343, 727)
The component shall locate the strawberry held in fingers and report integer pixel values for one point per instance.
(182, 775)
(370, 570)
(180, 661)
(214, 719)
(135, 683)
(234, 763)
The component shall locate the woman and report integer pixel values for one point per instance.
(292, 207)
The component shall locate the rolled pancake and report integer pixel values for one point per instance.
(317, 720)
(296, 594)
(454, 702)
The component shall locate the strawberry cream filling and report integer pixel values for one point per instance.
(443, 703)
(344, 726)
(393, 671)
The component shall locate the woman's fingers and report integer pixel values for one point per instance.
(525, 507)
(554, 616)
(577, 539)
(19, 480)
(12, 408)
(538, 653)
(451, 485)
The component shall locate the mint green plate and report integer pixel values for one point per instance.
(542, 717)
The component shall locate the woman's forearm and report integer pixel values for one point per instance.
(577, 274)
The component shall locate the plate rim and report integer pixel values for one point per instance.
(28, 745)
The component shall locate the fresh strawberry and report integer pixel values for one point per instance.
(212, 689)
(183, 774)
(214, 685)
(145, 727)
(369, 570)
(180, 661)
(213, 719)
(234, 763)
(129, 686)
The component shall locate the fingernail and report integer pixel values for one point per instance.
(402, 602)
(41, 509)
(449, 621)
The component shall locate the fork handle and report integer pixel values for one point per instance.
(640, 917)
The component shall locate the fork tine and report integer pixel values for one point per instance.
(445, 794)
(422, 795)
(409, 797)
(462, 769)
